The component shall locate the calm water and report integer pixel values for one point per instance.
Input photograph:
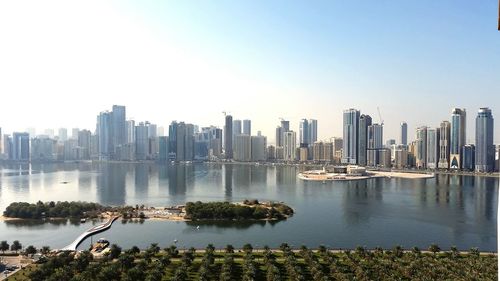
(447, 210)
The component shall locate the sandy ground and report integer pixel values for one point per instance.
(402, 175)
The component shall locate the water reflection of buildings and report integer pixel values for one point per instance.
(362, 199)
(228, 181)
(177, 179)
(111, 184)
(286, 175)
(141, 180)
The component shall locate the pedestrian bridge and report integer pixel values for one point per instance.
(94, 230)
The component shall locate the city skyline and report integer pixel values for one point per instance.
(293, 64)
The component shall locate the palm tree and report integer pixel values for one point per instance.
(229, 249)
(247, 248)
(434, 249)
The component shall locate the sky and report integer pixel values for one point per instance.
(62, 62)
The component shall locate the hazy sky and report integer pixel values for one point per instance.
(62, 62)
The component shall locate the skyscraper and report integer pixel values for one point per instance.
(258, 148)
(444, 145)
(242, 148)
(351, 132)
(185, 142)
(236, 127)
(457, 138)
(280, 130)
(364, 122)
(304, 133)
(130, 131)
(433, 141)
(404, 134)
(141, 141)
(62, 134)
(421, 148)
(375, 143)
(84, 141)
(485, 149)
(21, 146)
(289, 145)
(228, 137)
(104, 135)
(469, 157)
(247, 127)
(313, 131)
(118, 128)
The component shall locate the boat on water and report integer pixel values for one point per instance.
(82, 220)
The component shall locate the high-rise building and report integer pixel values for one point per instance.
(404, 134)
(242, 148)
(337, 150)
(444, 145)
(21, 146)
(141, 141)
(485, 149)
(389, 143)
(469, 156)
(74, 133)
(118, 126)
(236, 128)
(421, 148)
(289, 145)
(247, 127)
(401, 157)
(375, 144)
(313, 131)
(323, 152)
(351, 132)
(258, 148)
(42, 149)
(172, 140)
(280, 130)
(130, 131)
(1, 143)
(185, 142)
(84, 141)
(228, 137)
(364, 122)
(8, 147)
(457, 137)
(104, 133)
(163, 145)
(433, 141)
(62, 134)
(271, 152)
(304, 133)
(497, 159)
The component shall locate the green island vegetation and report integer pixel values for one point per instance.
(247, 210)
(247, 263)
(38, 210)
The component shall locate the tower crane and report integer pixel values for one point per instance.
(380, 117)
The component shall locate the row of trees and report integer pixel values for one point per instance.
(226, 210)
(271, 265)
(53, 209)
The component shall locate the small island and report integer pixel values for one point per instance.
(192, 211)
(246, 210)
(53, 210)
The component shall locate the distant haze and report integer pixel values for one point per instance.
(62, 62)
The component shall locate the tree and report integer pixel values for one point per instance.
(154, 248)
(45, 250)
(229, 249)
(135, 250)
(434, 249)
(126, 261)
(247, 248)
(16, 246)
(114, 251)
(4, 246)
(30, 250)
